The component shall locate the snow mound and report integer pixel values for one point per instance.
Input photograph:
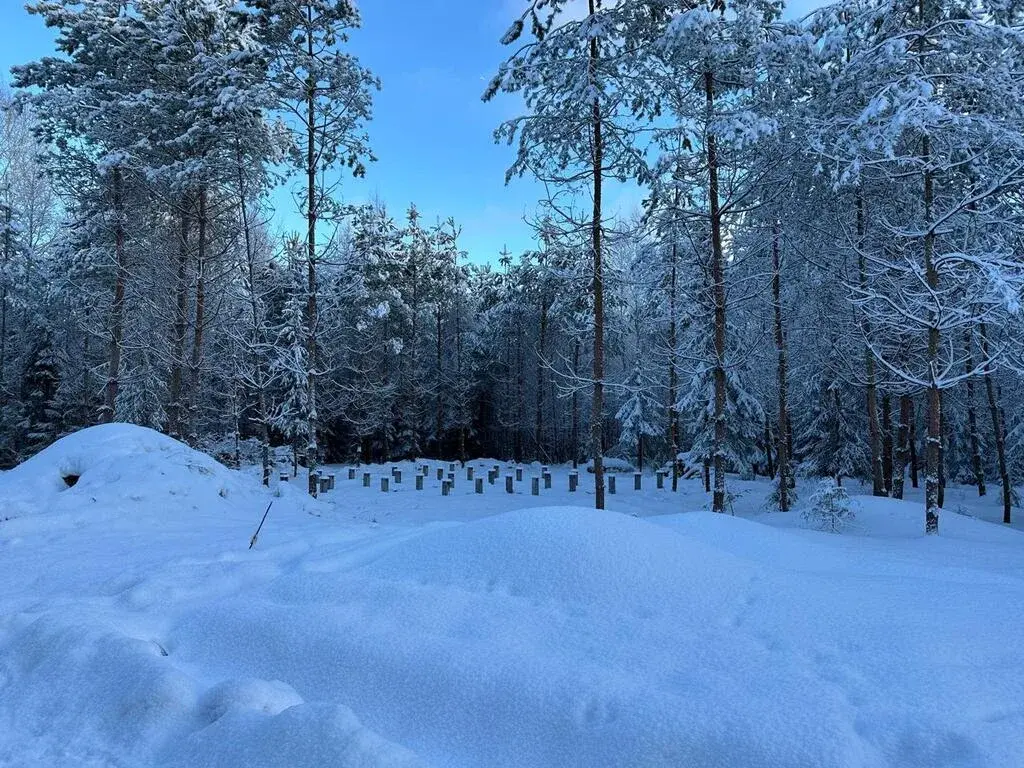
(114, 464)
(569, 555)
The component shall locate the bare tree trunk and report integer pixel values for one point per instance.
(972, 418)
(933, 457)
(177, 374)
(887, 443)
(780, 346)
(998, 430)
(117, 305)
(195, 378)
(575, 431)
(874, 438)
(902, 446)
(540, 445)
(439, 352)
(718, 300)
(673, 374)
(312, 213)
(913, 445)
(597, 402)
(5, 256)
(259, 373)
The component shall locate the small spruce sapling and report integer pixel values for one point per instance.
(830, 508)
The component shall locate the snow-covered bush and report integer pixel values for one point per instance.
(830, 508)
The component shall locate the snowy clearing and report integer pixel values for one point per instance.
(364, 629)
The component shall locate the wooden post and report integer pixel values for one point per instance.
(519, 474)
(397, 475)
(351, 473)
(384, 484)
(325, 484)
(440, 473)
(451, 479)
(479, 485)
(611, 484)
(446, 487)
(535, 486)
(451, 467)
(469, 473)
(491, 476)
(330, 482)
(366, 479)
(574, 479)
(660, 480)
(508, 484)
(637, 481)
(419, 482)
(314, 484)
(547, 480)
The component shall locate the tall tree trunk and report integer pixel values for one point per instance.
(673, 373)
(5, 257)
(902, 446)
(887, 443)
(768, 458)
(780, 346)
(439, 352)
(913, 445)
(257, 337)
(972, 417)
(312, 213)
(177, 373)
(874, 438)
(933, 459)
(718, 300)
(998, 429)
(538, 430)
(597, 402)
(196, 364)
(575, 429)
(117, 305)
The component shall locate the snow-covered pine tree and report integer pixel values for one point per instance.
(640, 415)
(325, 96)
(294, 414)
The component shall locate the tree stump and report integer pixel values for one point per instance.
(419, 482)
(366, 479)
(547, 480)
(535, 486)
(479, 485)
(509, 488)
(384, 485)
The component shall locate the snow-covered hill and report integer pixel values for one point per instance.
(137, 628)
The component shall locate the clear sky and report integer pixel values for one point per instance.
(431, 132)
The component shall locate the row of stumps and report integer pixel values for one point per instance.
(321, 483)
(447, 479)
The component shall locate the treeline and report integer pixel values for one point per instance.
(824, 279)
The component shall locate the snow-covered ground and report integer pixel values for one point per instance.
(407, 628)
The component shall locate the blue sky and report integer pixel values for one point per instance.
(431, 132)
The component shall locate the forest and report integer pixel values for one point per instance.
(824, 278)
